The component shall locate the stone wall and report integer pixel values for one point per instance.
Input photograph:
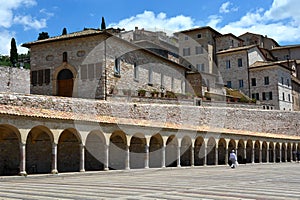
(14, 80)
(255, 120)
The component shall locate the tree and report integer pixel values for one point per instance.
(43, 35)
(64, 32)
(103, 26)
(13, 52)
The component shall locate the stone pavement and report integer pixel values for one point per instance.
(251, 181)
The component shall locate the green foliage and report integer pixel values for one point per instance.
(13, 52)
(103, 26)
(5, 61)
(64, 32)
(43, 35)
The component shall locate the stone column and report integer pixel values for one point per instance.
(23, 159)
(106, 158)
(205, 156)
(178, 156)
(127, 160)
(274, 154)
(245, 153)
(146, 156)
(192, 157)
(253, 155)
(217, 156)
(82, 158)
(268, 152)
(163, 156)
(280, 153)
(54, 159)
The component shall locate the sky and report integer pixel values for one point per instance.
(25, 19)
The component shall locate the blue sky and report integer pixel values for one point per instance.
(25, 19)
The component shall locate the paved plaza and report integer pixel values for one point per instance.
(251, 181)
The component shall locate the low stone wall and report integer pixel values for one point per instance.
(14, 80)
(267, 121)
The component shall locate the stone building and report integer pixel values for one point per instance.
(234, 66)
(260, 40)
(95, 64)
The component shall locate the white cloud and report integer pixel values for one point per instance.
(149, 20)
(30, 23)
(281, 22)
(10, 16)
(225, 8)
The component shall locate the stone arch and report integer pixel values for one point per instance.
(221, 151)
(95, 151)
(231, 147)
(283, 151)
(211, 151)
(264, 152)
(39, 150)
(137, 151)
(249, 151)
(277, 152)
(289, 152)
(10, 150)
(257, 151)
(68, 81)
(186, 151)
(240, 152)
(68, 151)
(199, 152)
(117, 150)
(155, 151)
(271, 152)
(171, 151)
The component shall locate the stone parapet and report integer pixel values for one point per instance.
(243, 119)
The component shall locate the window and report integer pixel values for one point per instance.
(266, 80)
(283, 97)
(34, 78)
(240, 62)
(289, 97)
(135, 71)
(255, 96)
(200, 67)
(199, 50)
(241, 83)
(186, 38)
(150, 76)
(65, 57)
(229, 84)
(253, 81)
(47, 76)
(172, 83)
(282, 81)
(228, 64)
(40, 77)
(288, 82)
(199, 35)
(267, 95)
(186, 52)
(117, 69)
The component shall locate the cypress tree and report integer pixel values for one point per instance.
(103, 26)
(64, 32)
(13, 52)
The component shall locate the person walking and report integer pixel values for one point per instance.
(233, 159)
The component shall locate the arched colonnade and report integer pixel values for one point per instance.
(44, 150)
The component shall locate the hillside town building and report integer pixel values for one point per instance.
(115, 99)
